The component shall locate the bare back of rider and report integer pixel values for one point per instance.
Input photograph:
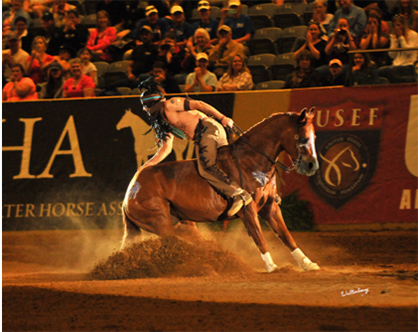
(191, 116)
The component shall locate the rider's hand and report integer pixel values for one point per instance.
(227, 122)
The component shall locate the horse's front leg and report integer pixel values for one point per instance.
(250, 218)
(272, 213)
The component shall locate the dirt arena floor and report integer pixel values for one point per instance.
(57, 281)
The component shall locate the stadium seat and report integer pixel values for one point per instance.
(286, 20)
(263, 41)
(288, 37)
(293, 7)
(102, 68)
(116, 71)
(261, 21)
(307, 17)
(124, 91)
(268, 9)
(259, 64)
(136, 92)
(270, 85)
(283, 66)
(383, 80)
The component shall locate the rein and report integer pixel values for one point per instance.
(238, 131)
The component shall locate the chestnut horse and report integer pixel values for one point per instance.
(159, 194)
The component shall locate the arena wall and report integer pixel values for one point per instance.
(67, 163)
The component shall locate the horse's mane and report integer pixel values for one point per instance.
(266, 121)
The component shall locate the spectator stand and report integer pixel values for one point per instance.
(288, 38)
(283, 66)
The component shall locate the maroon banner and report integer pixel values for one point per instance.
(367, 150)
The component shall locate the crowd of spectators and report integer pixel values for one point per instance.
(51, 51)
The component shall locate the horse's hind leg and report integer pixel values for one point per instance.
(273, 215)
(131, 231)
(188, 230)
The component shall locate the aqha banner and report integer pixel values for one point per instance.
(367, 142)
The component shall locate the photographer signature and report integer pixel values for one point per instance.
(355, 291)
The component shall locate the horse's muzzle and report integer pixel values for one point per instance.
(308, 166)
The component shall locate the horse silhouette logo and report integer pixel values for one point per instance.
(145, 145)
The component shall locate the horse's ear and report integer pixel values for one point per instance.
(311, 112)
(302, 117)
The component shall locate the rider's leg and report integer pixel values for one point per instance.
(212, 135)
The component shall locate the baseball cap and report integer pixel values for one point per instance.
(335, 62)
(147, 28)
(176, 9)
(12, 36)
(202, 56)
(234, 3)
(150, 9)
(203, 5)
(54, 65)
(225, 28)
(47, 16)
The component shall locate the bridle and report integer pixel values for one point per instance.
(276, 163)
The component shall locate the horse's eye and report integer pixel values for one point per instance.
(304, 140)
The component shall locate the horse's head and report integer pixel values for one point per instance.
(303, 151)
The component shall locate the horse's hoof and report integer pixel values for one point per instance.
(308, 265)
(271, 267)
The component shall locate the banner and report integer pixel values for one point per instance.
(67, 163)
(367, 143)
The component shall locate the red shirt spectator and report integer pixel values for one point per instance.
(102, 37)
(79, 85)
(38, 62)
(19, 88)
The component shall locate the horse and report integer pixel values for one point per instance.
(169, 191)
(145, 144)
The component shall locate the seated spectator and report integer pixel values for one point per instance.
(60, 10)
(63, 59)
(39, 7)
(238, 76)
(13, 55)
(321, 16)
(51, 33)
(384, 26)
(101, 38)
(25, 38)
(363, 71)
(79, 85)
(163, 77)
(88, 68)
(39, 60)
(407, 9)
(117, 12)
(201, 44)
(206, 22)
(375, 38)
(340, 42)
(74, 35)
(314, 43)
(171, 54)
(201, 80)
(10, 16)
(304, 75)
(182, 30)
(19, 88)
(52, 88)
(355, 16)
(336, 75)
(220, 57)
(240, 24)
(403, 61)
(158, 25)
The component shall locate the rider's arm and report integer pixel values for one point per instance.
(162, 153)
(191, 104)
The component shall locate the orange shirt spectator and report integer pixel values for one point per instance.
(19, 88)
(38, 62)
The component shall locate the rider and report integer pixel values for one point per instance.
(198, 121)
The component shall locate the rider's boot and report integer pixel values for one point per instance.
(240, 198)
